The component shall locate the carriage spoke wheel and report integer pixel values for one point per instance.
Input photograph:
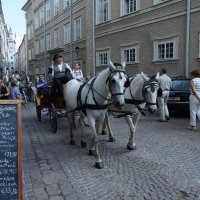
(53, 119)
(38, 111)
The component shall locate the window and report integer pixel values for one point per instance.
(29, 54)
(48, 41)
(41, 16)
(166, 49)
(48, 10)
(102, 58)
(67, 33)
(130, 54)
(56, 7)
(56, 38)
(29, 32)
(37, 47)
(102, 11)
(159, 1)
(199, 45)
(66, 3)
(78, 29)
(36, 19)
(128, 6)
(42, 45)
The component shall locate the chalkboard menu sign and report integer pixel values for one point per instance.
(10, 150)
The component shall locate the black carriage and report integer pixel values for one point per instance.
(55, 105)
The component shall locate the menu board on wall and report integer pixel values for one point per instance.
(10, 150)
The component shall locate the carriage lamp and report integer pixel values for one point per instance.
(77, 51)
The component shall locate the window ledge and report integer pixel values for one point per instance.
(165, 61)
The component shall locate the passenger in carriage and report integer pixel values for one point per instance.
(60, 73)
(77, 72)
(42, 85)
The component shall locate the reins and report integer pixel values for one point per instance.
(96, 106)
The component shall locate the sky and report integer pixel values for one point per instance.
(15, 17)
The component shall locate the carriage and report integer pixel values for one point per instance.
(53, 103)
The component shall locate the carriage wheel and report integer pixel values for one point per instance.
(38, 110)
(53, 119)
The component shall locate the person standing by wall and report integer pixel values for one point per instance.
(164, 83)
(194, 98)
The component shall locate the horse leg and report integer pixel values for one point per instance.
(132, 123)
(82, 124)
(110, 133)
(71, 128)
(104, 124)
(93, 150)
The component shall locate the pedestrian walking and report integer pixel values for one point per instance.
(164, 83)
(15, 92)
(194, 98)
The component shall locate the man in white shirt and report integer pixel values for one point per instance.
(165, 84)
(60, 73)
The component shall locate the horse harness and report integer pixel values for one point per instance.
(152, 83)
(96, 106)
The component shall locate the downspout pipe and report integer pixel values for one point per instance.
(187, 38)
(71, 45)
(93, 42)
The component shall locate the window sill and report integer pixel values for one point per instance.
(165, 61)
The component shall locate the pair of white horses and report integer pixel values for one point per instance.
(110, 89)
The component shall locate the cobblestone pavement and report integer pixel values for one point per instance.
(165, 165)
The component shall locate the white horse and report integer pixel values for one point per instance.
(141, 92)
(92, 99)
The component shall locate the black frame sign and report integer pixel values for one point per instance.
(10, 150)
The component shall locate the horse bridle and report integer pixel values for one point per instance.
(109, 80)
(152, 83)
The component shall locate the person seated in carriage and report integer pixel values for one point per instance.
(59, 73)
(77, 72)
(42, 85)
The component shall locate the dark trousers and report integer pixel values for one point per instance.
(58, 86)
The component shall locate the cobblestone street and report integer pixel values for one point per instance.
(165, 165)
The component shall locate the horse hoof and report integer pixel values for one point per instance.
(103, 133)
(92, 152)
(83, 144)
(131, 148)
(112, 139)
(99, 165)
(72, 142)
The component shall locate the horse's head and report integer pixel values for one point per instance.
(117, 80)
(150, 90)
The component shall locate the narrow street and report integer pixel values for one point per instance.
(165, 165)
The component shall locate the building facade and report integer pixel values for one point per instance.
(3, 42)
(146, 35)
(21, 57)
